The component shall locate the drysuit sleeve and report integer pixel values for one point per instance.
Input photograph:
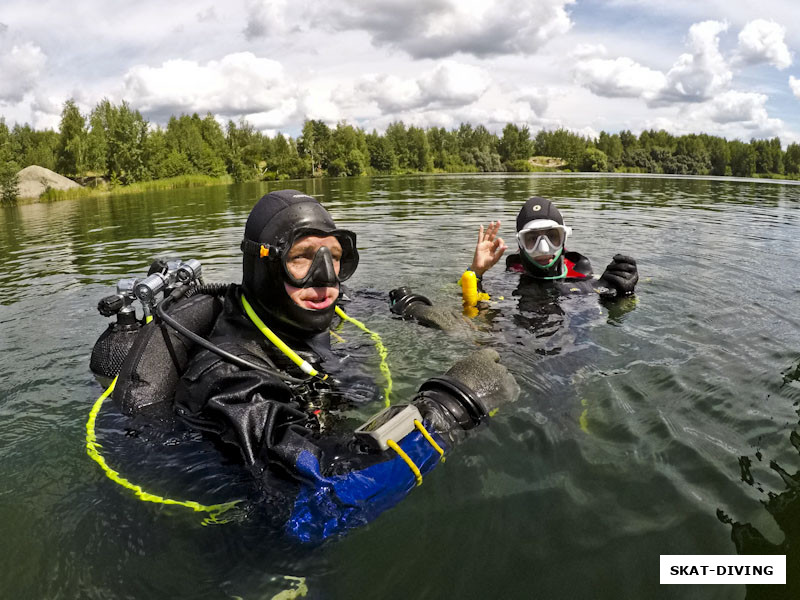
(343, 486)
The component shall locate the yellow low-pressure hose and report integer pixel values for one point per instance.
(381, 349)
(279, 343)
(93, 450)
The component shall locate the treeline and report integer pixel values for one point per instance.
(116, 144)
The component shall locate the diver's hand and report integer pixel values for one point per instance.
(490, 381)
(488, 250)
(415, 306)
(621, 275)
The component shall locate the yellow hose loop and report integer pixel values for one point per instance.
(279, 343)
(401, 453)
(93, 450)
(381, 349)
(428, 437)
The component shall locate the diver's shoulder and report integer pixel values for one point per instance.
(578, 265)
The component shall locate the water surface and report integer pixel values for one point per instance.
(629, 435)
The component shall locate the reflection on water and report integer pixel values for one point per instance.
(784, 508)
(625, 442)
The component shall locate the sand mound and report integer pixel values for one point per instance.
(547, 161)
(34, 180)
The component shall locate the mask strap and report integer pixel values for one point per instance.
(257, 249)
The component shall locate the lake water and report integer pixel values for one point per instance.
(637, 423)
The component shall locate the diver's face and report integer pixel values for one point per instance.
(298, 262)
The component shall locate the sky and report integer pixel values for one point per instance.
(723, 67)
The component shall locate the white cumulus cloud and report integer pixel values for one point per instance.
(237, 84)
(444, 27)
(740, 107)
(698, 75)
(20, 68)
(618, 78)
(431, 29)
(733, 114)
(763, 41)
(449, 84)
(695, 76)
(794, 83)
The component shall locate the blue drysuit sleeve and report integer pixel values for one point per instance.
(331, 505)
(333, 483)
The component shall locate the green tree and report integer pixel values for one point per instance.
(155, 153)
(97, 139)
(419, 151)
(381, 156)
(743, 159)
(691, 152)
(31, 147)
(561, 144)
(515, 143)
(763, 155)
(397, 136)
(651, 138)
(791, 159)
(348, 150)
(719, 155)
(245, 150)
(314, 144)
(9, 182)
(776, 155)
(611, 145)
(594, 160)
(629, 141)
(639, 159)
(72, 142)
(126, 135)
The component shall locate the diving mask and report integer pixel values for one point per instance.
(312, 266)
(543, 237)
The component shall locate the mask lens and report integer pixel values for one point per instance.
(299, 259)
(554, 236)
(349, 259)
(529, 239)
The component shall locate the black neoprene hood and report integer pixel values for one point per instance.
(538, 208)
(274, 221)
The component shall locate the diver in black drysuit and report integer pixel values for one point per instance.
(549, 271)
(543, 257)
(321, 480)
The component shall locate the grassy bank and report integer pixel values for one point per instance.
(170, 183)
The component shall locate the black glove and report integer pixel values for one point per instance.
(415, 306)
(621, 275)
(468, 392)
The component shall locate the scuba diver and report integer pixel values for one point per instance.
(549, 272)
(264, 384)
(543, 257)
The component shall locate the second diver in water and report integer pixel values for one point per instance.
(541, 237)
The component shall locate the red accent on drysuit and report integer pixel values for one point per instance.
(571, 272)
